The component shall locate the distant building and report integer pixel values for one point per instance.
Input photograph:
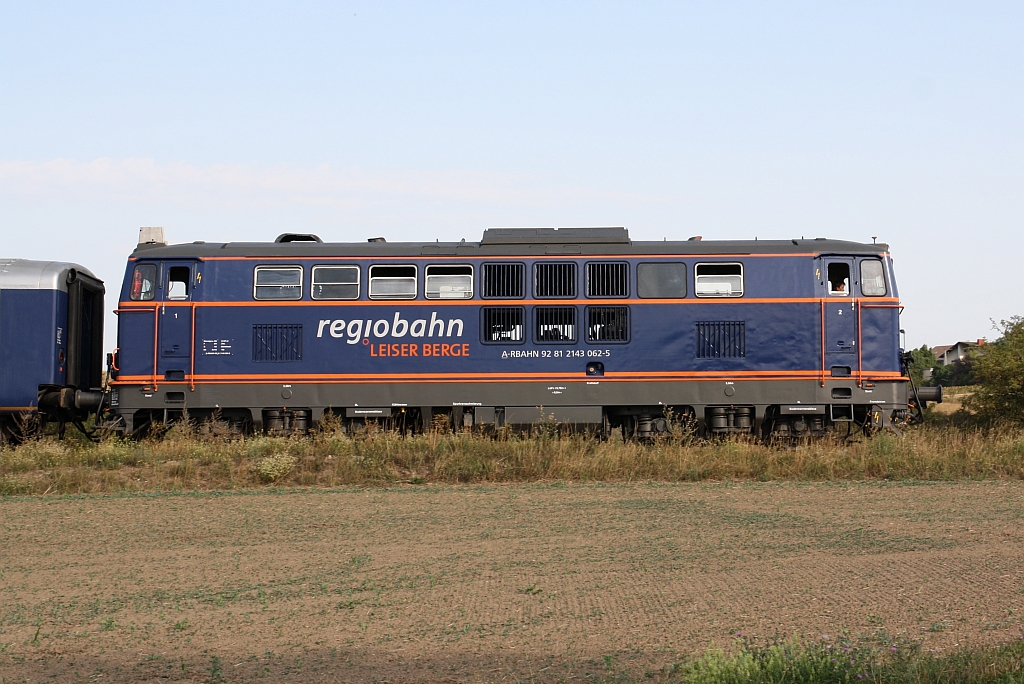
(952, 353)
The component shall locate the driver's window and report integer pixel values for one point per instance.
(839, 278)
(177, 282)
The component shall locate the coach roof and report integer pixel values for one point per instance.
(520, 242)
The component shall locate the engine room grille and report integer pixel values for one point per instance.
(275, 342)
(556, 280)
(555, 324)
(721, 339)
(503, 281)
(503, 324)
(608, 279)
(607, 324)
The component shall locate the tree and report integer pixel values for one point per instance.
(1001, 372)
(923, 360)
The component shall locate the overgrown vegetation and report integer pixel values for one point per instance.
(1000, 396)
(190, 458)
(834, 661)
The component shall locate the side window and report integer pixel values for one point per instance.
(718, 280)
(839, 278)
(662, 280)
(278, 282)
(503, 324)
(177, 282)
(335, 282)
(143, 286)
(555, 279)
(503, 281)
(392, 282)
(872, 278)
(448, 282)
(607, 279)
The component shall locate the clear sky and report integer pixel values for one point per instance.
(418, 121)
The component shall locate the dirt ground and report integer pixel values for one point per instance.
(492, 583)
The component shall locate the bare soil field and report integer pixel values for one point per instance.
(545, 582)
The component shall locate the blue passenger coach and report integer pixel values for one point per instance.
(576, 326)
(51, 344)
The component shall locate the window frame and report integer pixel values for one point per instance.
(686, 278)
(586, 279)
(575, 325)
(262, 267)
(483, 276)
(415, 281)
(696, 281)
(187, 282)
(313, 283)
(629, 323)
(154, 281)
(483, 327)
(860, 273)
(427, 276)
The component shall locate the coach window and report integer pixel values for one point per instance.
(839, 278)
(335, 282)
(661, 280)
(718, 280)
(448, 282)
(392, 282)
(872, 278)
(278, 282)
(143, 283)
(177, 282)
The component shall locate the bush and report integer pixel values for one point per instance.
(1000, 397)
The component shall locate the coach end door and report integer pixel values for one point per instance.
(174, 348)
(840, 313)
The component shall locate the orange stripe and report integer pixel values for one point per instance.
(18, 408)
(498, 302)
(472, 381)
(500, 377)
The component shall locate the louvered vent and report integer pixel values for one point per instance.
(503, 281)
(503, 324)
(607, 324)
(274, 342)
(555, 324)
(721, 339)
(608, 279)
(556, 279)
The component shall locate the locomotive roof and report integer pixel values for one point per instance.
(23, 274)
(521, 242)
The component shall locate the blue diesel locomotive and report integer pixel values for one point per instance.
(51, 343)
(578, 326)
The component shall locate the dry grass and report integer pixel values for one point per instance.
(185, 459)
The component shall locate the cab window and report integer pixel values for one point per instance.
(143, 283)
(872, 278)
(839, 278)
(177, 282)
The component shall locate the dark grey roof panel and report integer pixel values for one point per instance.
(532, 236)
(395, 250)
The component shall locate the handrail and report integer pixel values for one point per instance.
(823, 341)
(156, 343)
(192, 353)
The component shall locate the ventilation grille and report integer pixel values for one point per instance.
(721, 339)
(556, 323)
(608, 280)
(556, 280)
(608, 324)
(272, 342)
(503, 280)
(503, 324)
